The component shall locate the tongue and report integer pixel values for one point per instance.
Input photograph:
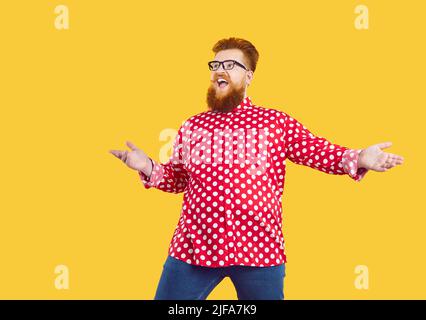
(223, 84)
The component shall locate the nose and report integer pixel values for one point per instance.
(222, 72)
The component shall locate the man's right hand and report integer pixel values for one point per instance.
(135, 159)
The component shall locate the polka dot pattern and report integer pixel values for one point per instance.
(350, 164)
(231, 167)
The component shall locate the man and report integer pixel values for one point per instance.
(230, 163)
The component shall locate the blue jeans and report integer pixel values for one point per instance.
(182, 281)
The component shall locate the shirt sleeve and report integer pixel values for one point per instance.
(305, 148)
(172, 175)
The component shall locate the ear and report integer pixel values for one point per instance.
(249, 77)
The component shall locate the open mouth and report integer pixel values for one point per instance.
(222, 83)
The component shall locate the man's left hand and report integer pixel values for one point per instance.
(373, 158)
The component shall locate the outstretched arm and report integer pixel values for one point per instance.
(305, 148)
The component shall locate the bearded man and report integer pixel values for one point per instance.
(230, 163)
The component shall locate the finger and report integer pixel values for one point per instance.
(391, 165)
(389, 161)
(385, 165)
(384, 161)
(381, 169)
(388, 166)
(124, 157)
(116, 153)
(384, 145)
(131, 145)
(396, 160)
(396, 157)
(393, 161)
(399, 158)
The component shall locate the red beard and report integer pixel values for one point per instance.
(226, 102)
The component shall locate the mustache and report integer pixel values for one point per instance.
(216, 77)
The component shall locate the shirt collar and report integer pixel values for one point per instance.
(246, 103)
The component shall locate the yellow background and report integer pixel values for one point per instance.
(126, 70)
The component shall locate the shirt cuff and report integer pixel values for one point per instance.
(155, 177)
(350, 164)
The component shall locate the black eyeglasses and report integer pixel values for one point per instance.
(226, 65)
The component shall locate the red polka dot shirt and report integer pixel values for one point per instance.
(231, 168)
